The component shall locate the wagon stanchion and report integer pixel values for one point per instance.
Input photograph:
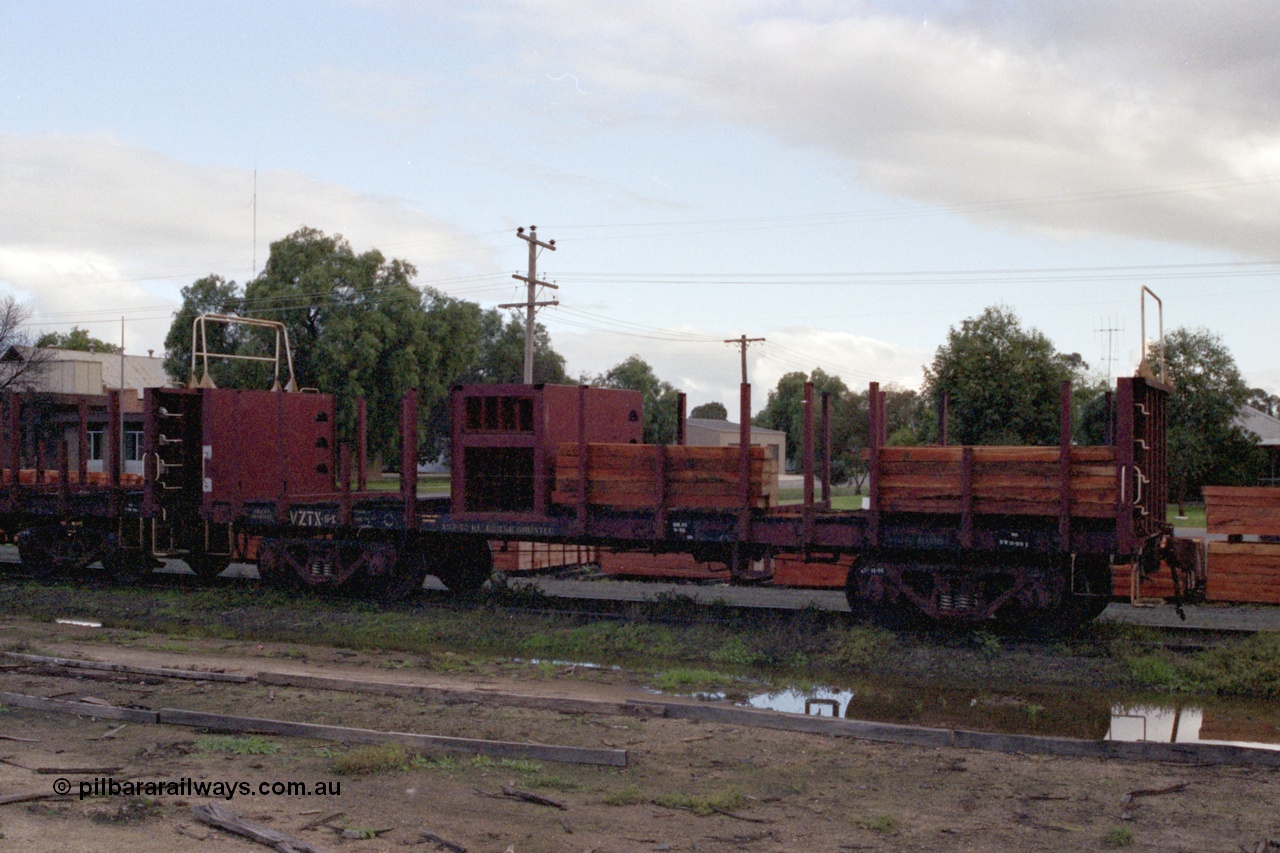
(808, 466)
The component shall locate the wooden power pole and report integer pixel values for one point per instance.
(744, 342)
(531, 305)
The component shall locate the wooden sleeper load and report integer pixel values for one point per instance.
(1003, 480)
(625, 476)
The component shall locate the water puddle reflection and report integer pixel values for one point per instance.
(1071, 715)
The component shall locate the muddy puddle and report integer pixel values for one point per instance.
(1073, 714)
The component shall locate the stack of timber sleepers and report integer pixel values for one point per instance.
(536, 556)
(1002, 480)
(52, 476)
(1158, 584)
(625, 476)
(1247, 572)
(1242, 510)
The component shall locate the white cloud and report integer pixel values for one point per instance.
(708, 370)
(1150, 120)
(93, 229)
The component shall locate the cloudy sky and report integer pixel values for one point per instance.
(845, 179)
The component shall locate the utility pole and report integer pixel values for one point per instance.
(531, 305)
(744, 342)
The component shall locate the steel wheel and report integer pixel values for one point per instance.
(463, 565)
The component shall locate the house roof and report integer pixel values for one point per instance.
(717, 425)
(1265, 427)
(140, 371)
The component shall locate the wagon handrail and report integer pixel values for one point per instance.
(200, 350)
(1143, 367)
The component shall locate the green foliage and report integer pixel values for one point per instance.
(720, 801)
(1154, 671)
(1250, 667)
(76, 339)
(500, 357)
(684, 679)
(377, 758)
(987, 644)
(627, 796)
(1121, 836)
(710, 411)
(885, 823)
(660, 398)
(1205, 446)
(359, 328)
(209, 295)
(862, 646)
(850, 420)
(1003, 382)
(736, 652)
(254, 745)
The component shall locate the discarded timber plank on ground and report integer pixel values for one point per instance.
(32, 796)
(457, 695)
(188, 674)
(493, 748)
(102, 712)
(216, 815)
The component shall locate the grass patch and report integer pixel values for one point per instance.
(842, 497)
(132, 810)
(254, 745)
(375, 758)
(1121, 836)
(628, 796)
(682, 680)
(1250, 667)
(885, 823)
(722, 801)
(1154, 671)
(1194, 515)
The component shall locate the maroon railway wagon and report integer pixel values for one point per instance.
(1027, 534)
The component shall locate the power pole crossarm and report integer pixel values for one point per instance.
(531, 305)
(744, 342)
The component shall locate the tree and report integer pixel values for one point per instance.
(76, 339)
(710, 411)
(209, 295)
(357, 325)
(1264, 401)
(500, 357)
(660, 398)
(1002, 381)
(1205, 445)
(784, 411)
(21, 365)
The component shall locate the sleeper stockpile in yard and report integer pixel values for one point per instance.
(1243, 571)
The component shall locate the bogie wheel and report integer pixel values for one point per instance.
(35, 554)
(866, 604)
(463, 565)
(207, 566)
(54, 548)
(128, 565)
(402, 581)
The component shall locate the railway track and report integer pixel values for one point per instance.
(609, 598)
